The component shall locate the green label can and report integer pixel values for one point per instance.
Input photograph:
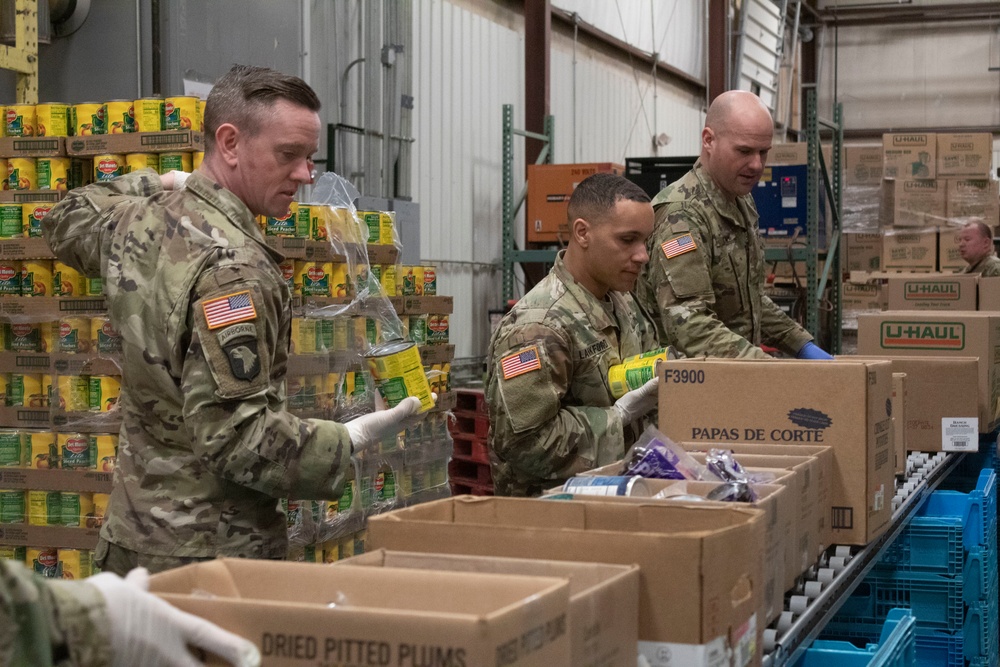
(16, 554)
(76, 508)
(418, 328)
(12, 454)
(11, 506)
(373, 224)
(44, 508)
(11, 221)
(53, 173)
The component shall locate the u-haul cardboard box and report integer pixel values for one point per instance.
(391, 616)
(949, 257)
(909, 155)
(967, 155)
(935, 334)
(864, 251)
(931, 292)
(844, 405)
(899, 421)
(910, 250)
(989, 293)
(913, 203)
(597, 638)
(863, 165)
(974, 200)
(863, 296)
(695, 600)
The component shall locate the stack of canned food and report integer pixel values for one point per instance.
(66, 173)
(44, 277)
(71, 335)
(72, 393)
(57, 119)
(53, 563)
(321, 222)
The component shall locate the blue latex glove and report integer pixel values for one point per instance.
(812, 351)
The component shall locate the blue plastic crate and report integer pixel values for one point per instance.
(896, 647)
(980, 576)
(928, 544)
(982, 632)
(977, 509)
(940, 649)
(937, 601)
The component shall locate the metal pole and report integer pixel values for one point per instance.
(508, 203)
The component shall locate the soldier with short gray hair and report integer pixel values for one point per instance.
(975, 244)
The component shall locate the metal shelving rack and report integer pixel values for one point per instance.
(830, 175)
(511, 255)
(22, 58)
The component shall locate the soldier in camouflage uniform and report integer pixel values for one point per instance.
(703, 285)
(975, 243)
(102, 621)
(552, 414)
(206, 446)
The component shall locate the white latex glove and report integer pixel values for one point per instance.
(174, 180)
(147, 631)
(638, 402)
(368, 429)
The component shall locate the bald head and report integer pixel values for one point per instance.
(975, 242)
(735, 142)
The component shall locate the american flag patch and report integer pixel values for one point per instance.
(229, 309)
(520, 362)
(678, 246)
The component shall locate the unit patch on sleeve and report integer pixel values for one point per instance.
(229, 309)
(521, 362)
(239, 342)
(678, 246)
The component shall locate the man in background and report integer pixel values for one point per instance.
(975, 244)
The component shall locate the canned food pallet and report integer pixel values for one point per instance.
(32, 146)
(828, 584)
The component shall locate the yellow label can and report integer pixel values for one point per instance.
(430, 281)
(67, 281)
(32, 214)
(52, 173)
(197, 157)
(103, 451)
(409, 281)
(75, 564)
(387, 227)
(101, 501)
(74, 335)
(21, 120)
(314, 278)
(137, 161)
(36, 277)
(43, 561)
(73, 393)
(119, 115)
(180, 161)
(74, 451)
(398, 373)
(76, 507)
(103, 337)
(285, 225)
(181, 113)
(109, 166)
(371, 226)
(12, 506)
(52, 119)
(11, 222)
(388, 280)
(22, 173)
(303, 336)
(104, 392)
(287, 269)
(148, 113)
(25, 390)
(634, 371)
(16, 554)
(5, 185)
(44, 508)
(88, 118)
(41, 449)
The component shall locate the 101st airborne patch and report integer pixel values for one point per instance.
(239, 342)
(521, 362)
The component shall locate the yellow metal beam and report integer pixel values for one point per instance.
(22, 58)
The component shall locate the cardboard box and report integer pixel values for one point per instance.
(913, 203)
(788, 153)
(931, 292)
(899, 421)
(864, 251)
(32, 146)
(841, 404)
(597, 638)
(861, 208)
(862, 165)
(969, 154)
(31, 196)
(863, 296)
(386, 616)
(912, 250)
(136, 142)
(35, 479)
(949, 258)
(932, 333)
(940, 392)
(695, 599)
(989, 293)
(970, 200)
(909, 155)
(549, 190)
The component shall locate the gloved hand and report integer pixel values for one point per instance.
(368, 429)
(812, 351)
(147, 631)
(638, 402)
(174, 180)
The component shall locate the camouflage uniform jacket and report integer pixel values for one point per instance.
(987, 267)
(703, 284)
(206, 446)
(50, 623)
(557, 419)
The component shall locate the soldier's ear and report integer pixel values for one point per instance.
(707, 137)
(580, 229)
(227, 140)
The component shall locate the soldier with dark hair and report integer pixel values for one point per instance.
(975, 243)
(552, 414)
(206, 445)
(703, 285)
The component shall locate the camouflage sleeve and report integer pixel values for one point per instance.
(680, 275)
(45, 622)
(780, 331)
(991, 268)
(534, 426)
(232, 404)
(76, 227)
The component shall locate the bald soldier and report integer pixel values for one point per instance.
(975, 244)
(552, 414)
(703, 285)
